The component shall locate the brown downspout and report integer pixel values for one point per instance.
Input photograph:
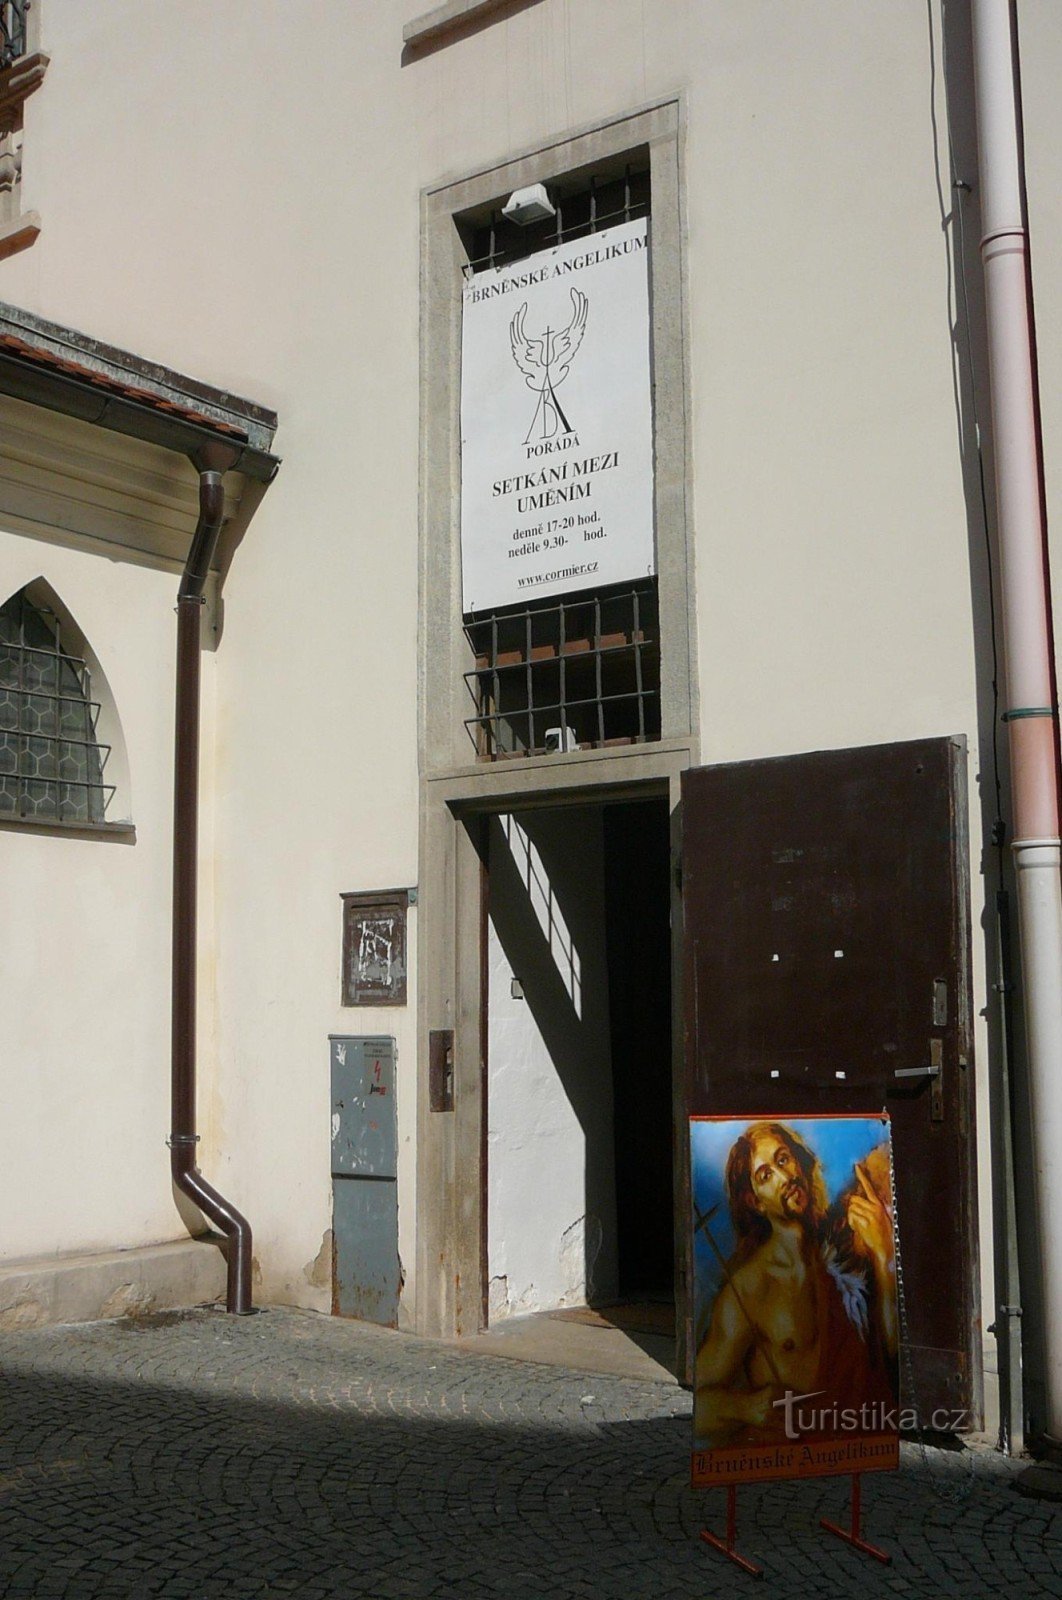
(211, 464)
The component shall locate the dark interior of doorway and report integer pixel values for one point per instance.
(638, 943)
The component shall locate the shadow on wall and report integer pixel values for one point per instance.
(552, 1170)
(546, 907)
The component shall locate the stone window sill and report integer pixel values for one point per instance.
(430, 27)
(19, 233)
(117, 832)
(18, 82)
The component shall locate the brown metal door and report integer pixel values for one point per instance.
(827, 970)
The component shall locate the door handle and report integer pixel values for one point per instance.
(935, 1073)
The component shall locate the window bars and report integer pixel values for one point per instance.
(580, 673)
(603, 203)
(12, 30)
(51, 763)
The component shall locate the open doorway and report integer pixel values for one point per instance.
(580, 1194)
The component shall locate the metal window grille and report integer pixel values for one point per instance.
(579, 673)
(582, 671)
(12, 30)
(51, 763)
(600, 203)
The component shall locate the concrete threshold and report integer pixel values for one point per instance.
(556, 1341)
(114, 1283)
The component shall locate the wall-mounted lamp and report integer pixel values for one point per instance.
(529, 205)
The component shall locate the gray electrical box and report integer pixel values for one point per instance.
(367, 1271)
(364, 1128)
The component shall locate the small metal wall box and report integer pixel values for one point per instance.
(374, 948)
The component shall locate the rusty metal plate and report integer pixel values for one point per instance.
(365, 1231)
(374, 948)
(441, 1069)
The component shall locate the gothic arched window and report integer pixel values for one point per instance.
(51, 762)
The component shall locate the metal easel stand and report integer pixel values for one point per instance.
(852, 1535)
(726, 1546)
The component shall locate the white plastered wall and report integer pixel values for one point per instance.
(833, 574)
(833, 571)
(84, 948)
(292, 280)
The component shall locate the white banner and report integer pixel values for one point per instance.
(556, 422)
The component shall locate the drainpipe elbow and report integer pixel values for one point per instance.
(230, 1222)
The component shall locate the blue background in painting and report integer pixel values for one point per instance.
(839, 1142)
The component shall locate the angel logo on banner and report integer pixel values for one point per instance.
(545, 363)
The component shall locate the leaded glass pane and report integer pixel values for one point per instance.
(74, 719)
(51, 765)
(40, 671)
(38, 714)
(39, 799)
(39, 758)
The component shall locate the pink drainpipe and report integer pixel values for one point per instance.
(1031, 716)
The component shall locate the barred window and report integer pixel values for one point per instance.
(51, 762)
(580, 671)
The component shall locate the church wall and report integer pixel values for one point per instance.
(84, 947)
(839, 589)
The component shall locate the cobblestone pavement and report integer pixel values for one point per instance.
(198, 1455)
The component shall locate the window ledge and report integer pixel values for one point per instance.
(433, 24)
(19, 233)
(18, 81)
(117, 832)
